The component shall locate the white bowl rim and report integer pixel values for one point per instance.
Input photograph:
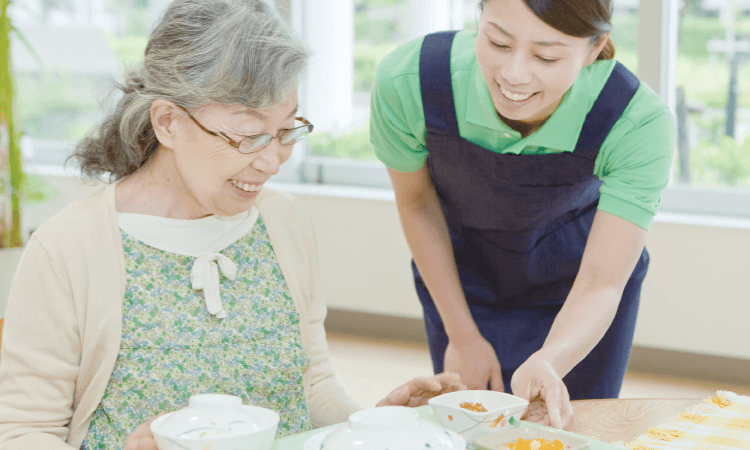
(161, 419)
(437, 401)
(564, 437)
(321, 435)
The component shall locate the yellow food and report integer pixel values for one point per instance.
(476, 407)
(534, 444)
(497, 421)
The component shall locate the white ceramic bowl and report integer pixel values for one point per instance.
(386, 428)
(471, 424)
(500, 439)
(216, 422)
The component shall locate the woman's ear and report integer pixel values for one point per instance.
(597, 48)
(163, 114)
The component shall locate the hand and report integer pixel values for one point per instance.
(549, 403)
(417, 391)
(476, 362)
(142, 438)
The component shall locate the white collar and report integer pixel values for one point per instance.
(202, 239)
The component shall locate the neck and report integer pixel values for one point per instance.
(525, 128)
(157, 189)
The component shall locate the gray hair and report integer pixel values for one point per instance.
(230, 51)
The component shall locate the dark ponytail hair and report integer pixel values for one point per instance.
(579, 18)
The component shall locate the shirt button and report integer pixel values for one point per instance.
(507, 135)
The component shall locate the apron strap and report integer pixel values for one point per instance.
(436, 86)
(608, 107)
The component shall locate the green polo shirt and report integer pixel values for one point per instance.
(634, 161)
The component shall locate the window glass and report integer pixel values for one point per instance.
(625, 32)
(65, 61)
(713, 94)
(379, 27)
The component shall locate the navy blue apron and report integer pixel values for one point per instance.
(518, 225)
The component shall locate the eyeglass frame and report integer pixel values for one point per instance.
(236, 144)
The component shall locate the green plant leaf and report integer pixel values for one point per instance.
(28, 46)
(35, 190)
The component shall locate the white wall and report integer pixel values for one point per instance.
(696, 297)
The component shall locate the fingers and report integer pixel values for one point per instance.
(449, 381)
(496, 380)
(398, 397)
(566, 411)
(424, 384)
(418, 390)
(146, 444)
(560, 411)
(142, 438)
(553, 400)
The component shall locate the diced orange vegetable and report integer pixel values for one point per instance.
(476, 407)
(535, 444)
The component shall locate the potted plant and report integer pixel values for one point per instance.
(16, 188)
(10, 164)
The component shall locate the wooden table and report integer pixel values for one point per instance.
(625, 419)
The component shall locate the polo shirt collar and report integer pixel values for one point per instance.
(559, 132)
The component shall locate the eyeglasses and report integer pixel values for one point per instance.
(256, 142)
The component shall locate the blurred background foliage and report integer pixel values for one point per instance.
(59, 106)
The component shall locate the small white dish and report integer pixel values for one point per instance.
(498, 440)
(470, 424)
(218, 422)
(314, 441)
(386, 428)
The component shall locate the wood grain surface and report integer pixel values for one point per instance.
(623, 420)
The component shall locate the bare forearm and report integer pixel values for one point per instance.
(579, 326)
(427, 234)
(612, 251)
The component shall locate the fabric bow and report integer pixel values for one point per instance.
(205, 275)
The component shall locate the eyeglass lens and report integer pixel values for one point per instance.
(255, 143)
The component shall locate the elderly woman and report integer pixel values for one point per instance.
(186, 275)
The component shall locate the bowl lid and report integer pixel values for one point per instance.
(211, 416)
(391, 427)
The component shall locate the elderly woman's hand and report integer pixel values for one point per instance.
(549, 402)
(417, 391)
(142, 438)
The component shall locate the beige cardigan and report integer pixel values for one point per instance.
(64, 320)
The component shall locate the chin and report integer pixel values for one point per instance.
(516, 116)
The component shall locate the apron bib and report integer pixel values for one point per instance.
(518, 225)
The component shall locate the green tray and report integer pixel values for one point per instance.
(297, 441)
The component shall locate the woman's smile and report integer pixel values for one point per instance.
(246, 190)
(516, 96)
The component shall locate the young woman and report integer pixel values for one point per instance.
(527, 166)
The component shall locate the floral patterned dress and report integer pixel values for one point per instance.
(172, 347)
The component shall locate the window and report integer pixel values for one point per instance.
(625, 32)
(74, 51)
(342, 70)
(713, 94)
(709, 45)
(693, 52)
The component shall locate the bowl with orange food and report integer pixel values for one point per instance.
(530, 438)
(474, 413)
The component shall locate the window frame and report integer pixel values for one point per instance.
(657, 55)
(657, 67)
